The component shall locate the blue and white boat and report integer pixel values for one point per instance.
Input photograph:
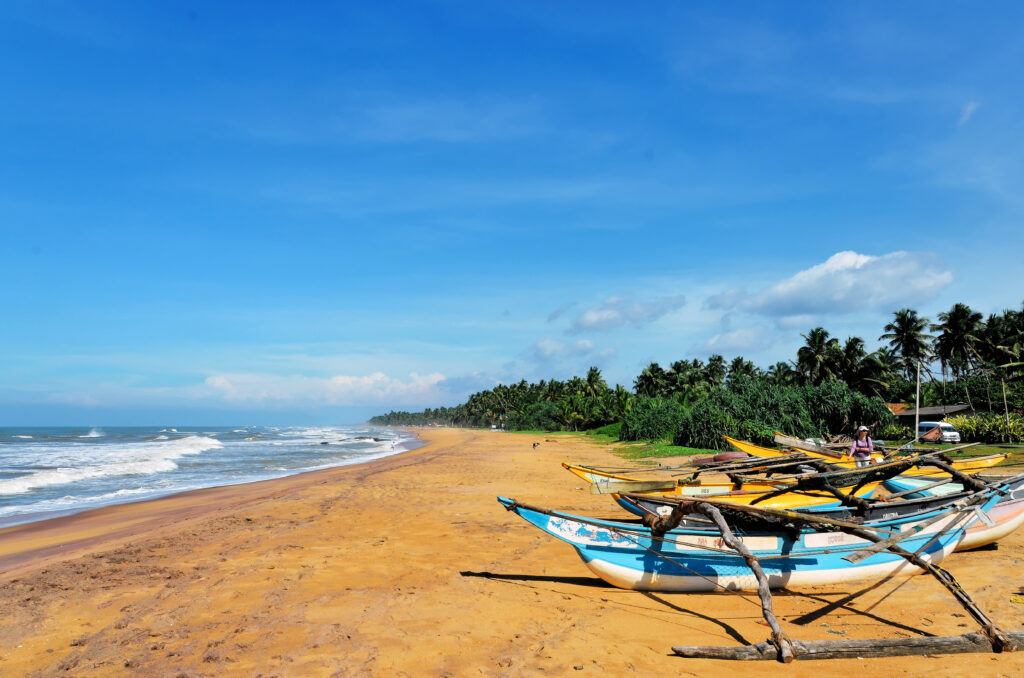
(695, 558)
(997, 522)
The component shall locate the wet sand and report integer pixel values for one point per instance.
(407, 566)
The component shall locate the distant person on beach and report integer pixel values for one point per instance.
(862, 448)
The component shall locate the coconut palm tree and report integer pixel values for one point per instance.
(783, 374)
(741, 368)
(851, 356)
(818, 359)
(998, 334)
(864, 372)
(715, 370)
(956, 344)
(624, 401)
(907, 338)
(651, 382)
(678, 376)
(596, 385)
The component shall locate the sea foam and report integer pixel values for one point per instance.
(112, 460)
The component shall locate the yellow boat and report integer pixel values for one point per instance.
(740, 494)
(971, 465)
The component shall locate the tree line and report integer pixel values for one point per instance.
(963, 357)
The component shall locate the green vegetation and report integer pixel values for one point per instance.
(657, 449)
(753, 408)
(988, 427)
(831, 387)
(652, 419)
(608, 432)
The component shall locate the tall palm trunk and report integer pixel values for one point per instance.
(1006, 409)
(943, 389)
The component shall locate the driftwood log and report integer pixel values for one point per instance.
(851, 649)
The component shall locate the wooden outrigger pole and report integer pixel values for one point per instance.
(782, 648)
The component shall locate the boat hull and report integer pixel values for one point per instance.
(999, 521)
(749, 494)
(627, 556)
(971, 465)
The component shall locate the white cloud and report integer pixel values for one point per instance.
(337, 390)
(801, 321)
(968, 112)
(846, 283)
(548, 348)
(733, 341)
(620, 311)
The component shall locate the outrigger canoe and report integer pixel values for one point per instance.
(685, 558)
(1005, 516)
(971, 465)
(747, 493)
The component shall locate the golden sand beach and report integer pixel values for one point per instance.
(407, 566)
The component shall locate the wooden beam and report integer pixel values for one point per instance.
(620, 486)
(798, 444)
(852, 649)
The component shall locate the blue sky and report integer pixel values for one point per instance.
(251, 213)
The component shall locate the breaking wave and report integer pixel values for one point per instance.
(113, 460)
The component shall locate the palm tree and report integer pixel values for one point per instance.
(651, 382)
(715, 370)
(569, 411)
(678, 376)
(906, 336)
(818, 359)
(596, 385)
(740, 368)
(783, 374)
(998, 335)
(851, 356)
(955, 346)
(624, 401)
(576, 386)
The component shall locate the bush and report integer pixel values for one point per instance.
(610, 430)
(540, 416)
(989, 427)
(651, 419)
(754, 408)
(892, 431)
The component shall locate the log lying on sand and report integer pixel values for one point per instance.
(851, 649)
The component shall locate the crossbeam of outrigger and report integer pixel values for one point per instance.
(780, 646)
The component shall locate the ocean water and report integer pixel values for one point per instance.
(48, 472)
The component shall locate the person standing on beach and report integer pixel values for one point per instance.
(862, 448)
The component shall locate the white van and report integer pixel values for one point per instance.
(949, 434)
